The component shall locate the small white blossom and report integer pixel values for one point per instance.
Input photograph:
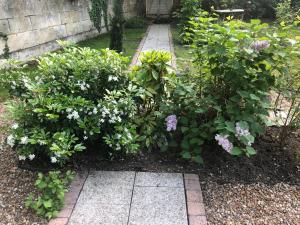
(53, 160)
(85, 138)
(24, 140)
(31, 156)
(10, 140)
(15, 126)
(22, 157)
(95, 111)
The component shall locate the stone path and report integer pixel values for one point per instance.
(158, 38)
(133, 198)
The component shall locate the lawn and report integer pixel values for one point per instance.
(182, 52)
(132, 39)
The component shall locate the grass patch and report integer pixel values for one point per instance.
(182, 52)
(132, 39)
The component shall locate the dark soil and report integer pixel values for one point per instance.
(270, 166)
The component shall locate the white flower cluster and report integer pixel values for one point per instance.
(83, 85)
(72, 114)
(240, 132)
(113, 78)
(113, 115)
(23, 157)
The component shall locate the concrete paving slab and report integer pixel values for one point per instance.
(146, 179)
(99, 214)
(158, 206)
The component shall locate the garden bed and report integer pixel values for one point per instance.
(15, 186)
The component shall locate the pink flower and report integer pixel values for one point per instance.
(224, 142)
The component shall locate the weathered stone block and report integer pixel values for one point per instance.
(5, 11)
(4, 27)
(70, 17)
(19, 24)
(43, 21)
(33, 7)
(21, 40)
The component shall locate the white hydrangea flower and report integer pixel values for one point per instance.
(53, 160)
(10, 140)
(22, 157)
(95, 111)
(75, 115)
(24, 140)
(31, 156)
(15, 126)
(85, 138)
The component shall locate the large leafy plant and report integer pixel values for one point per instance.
(75, 97)
(227, 100)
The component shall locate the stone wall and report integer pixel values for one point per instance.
(33, 26)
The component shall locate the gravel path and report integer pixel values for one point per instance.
(252, 204)
(15, 185)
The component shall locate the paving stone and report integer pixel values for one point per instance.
(58, 221)
(146, 179)
(158, 206)
(99, 214)
(196, 209)
(194, 196)
(197, 220)
(192, 185)
(189, 176)
(108, 188)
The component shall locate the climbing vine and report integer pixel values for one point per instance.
(99, 10)
(5, 54)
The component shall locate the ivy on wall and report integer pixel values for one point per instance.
(98, 11)
(5, 54)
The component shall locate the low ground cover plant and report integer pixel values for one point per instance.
(52, 187)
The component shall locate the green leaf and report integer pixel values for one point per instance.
(47, 204)
(186, 155)
(254, 97)
(184, 129)
(250, 150)
(236, 151)
(230, 126)
(198, 159)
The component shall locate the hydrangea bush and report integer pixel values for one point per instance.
(75, 97)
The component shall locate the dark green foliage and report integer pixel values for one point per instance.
(5, 54)
(99, 12)
(117, 30)
(135, 22)
(53, 187)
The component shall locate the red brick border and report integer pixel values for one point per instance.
(139, 49)
(194, 198)
(71, 198)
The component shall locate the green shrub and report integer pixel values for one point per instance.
(75, 97)
(227, 100)
(135, 23)
(117, 26)
(52, 188)
(154, 79)
(285, 12)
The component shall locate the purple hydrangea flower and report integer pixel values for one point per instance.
(171, 123)
(224, 142)
(240, 131)
(260, 45)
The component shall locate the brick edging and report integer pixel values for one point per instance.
(139, 49)
(195, 205)
(70, 201)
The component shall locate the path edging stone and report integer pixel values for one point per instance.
(194, 200)
(70, 201)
